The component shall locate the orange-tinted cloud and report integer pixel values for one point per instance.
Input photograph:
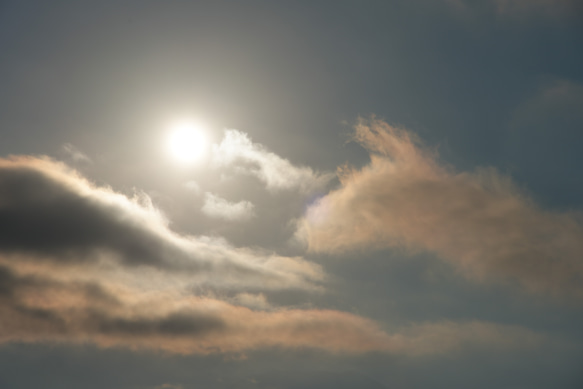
(478, 221)
(40, 309)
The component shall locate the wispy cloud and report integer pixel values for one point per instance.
(478, 221)
(75, 154)
(238, 151)
(217, 207)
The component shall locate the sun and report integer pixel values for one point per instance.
(187, 142)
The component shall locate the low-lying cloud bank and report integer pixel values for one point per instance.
(37, 308)
(478, 221)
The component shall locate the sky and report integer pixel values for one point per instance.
(291, 194)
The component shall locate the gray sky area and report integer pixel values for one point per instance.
(291, 194)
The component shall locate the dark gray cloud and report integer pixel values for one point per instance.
(49, 212)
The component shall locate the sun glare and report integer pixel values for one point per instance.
(187, 142)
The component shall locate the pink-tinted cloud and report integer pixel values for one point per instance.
(478, 221)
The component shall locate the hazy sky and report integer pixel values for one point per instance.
(385, 194)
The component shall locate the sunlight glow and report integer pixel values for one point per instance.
(188, 142)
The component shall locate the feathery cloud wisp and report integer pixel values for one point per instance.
(478, 221)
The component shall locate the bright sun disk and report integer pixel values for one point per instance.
(187, 142)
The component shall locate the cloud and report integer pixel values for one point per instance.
(36, 308)
(556, 97)
(75, 154)
(478, 221)
(253, 301)
(83, 264)
(238, 151)
(50, 214)
(217, 207)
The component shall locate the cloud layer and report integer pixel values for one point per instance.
(478, 221)
(37, 308)
(79, 263)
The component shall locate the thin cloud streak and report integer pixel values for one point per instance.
(75, 154)
(478, 221)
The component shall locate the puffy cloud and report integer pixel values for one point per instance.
(48, 213)
(217, 207)
(478, 221)
(237, 149)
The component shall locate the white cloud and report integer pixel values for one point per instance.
(217, 207)
(236, 149)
